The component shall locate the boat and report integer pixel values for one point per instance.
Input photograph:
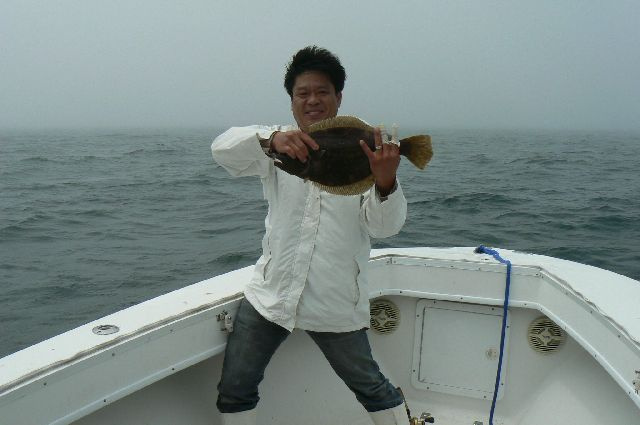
(468, 338)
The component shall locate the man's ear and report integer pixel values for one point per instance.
(339, 96)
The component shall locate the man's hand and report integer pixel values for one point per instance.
(294, 143)
(384, 162)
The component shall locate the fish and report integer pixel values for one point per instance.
(340, 166)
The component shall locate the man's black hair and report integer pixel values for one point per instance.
(314, 58)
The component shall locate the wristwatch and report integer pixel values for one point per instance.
(393, 189)
(265, 144)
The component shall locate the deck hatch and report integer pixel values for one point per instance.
(456, 348)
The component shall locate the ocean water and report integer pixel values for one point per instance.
(93, 221)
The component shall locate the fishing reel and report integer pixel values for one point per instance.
(424, 419)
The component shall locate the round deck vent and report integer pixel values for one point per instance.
(385, 316)
(545, 336)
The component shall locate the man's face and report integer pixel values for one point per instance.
(314, 98)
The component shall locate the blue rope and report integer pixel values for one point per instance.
(484, 250)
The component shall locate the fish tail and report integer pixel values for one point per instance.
(417, 149)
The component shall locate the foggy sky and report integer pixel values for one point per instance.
(445, 64)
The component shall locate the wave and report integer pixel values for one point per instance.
(481, 158)
(27, 267)
(154, 151)
(38, 159)
(96, 212)
(225, 229)
(234, 259)
(518, 215)
(548, 161)
(615, 222)
(474, 199)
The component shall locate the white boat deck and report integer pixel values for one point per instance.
(163, 365)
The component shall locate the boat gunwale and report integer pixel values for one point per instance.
(51, 368)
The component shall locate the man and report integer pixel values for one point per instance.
(312, 272)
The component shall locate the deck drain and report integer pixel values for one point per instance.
(105, 329)
(385, 316)
(545, 336)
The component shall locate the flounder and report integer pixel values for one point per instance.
(340, 166)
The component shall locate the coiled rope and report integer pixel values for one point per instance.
(484, 250)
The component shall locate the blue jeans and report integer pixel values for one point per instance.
(254, 340)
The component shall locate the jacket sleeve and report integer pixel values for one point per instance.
(239, 152)
(384, 218)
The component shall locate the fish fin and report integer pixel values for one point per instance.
(356, 188)
(339, 121)
(417, 149)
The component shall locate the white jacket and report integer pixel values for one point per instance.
(312, 272)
